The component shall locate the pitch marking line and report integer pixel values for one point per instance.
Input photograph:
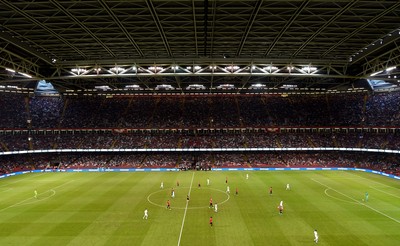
(5, 190)
(21, 179)
(379, 212)
(184, 215)
(16, 204)
(326, 193)
(26, 201)
(384, 191)
(36, 200)
(369, 180)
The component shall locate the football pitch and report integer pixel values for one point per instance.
(107, 208)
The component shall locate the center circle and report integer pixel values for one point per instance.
(199, 197)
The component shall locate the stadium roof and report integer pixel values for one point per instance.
(200, 45)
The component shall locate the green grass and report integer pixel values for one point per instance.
(107, 209)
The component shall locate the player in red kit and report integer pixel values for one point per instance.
(211, 202)
(211, 221)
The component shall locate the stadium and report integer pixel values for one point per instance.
(206, 122)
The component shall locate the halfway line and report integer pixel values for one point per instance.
(184, 215)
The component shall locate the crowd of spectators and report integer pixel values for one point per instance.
(209, 111)
(199, 112)
(13, 111)
(383, 109)
(45, 111)
(374, 161)
(171, 140)
(388, 163)
(176, 140)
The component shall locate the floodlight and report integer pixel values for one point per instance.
(155, 68)
(376, 73)
(270, 68)
(390, 68)
(26, 75)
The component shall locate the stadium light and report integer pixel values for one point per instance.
(390, 68)
(232, 67)
(133, 87)
(164, 87)
(195, 87)
(78, 70)
(270, 68)
(155, 68)
(257, 86)
(226, 86)
(376, 73)
(26, 75)
(309, 69)
(117, 69)
(103, 87)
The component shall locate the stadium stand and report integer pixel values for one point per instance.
(231, 121)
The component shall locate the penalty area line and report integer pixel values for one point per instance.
(390, 194)
(25, 202)
(186, 208)
(355, 200)
(342, 200)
